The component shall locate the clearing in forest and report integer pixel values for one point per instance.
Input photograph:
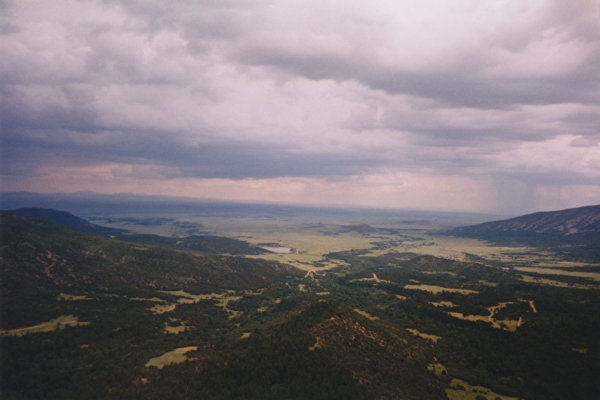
(442, 304)
(439, 289)
(162, 308)
(175, 329)
(373, 279)
(433, 338)
(365, 314)
(461, 390)
(222, 299)
(506, 324)
(64, 296)
(172, 357)
(56, 323)
(317, 344)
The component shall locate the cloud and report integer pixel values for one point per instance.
(467, 53)
(340, 94)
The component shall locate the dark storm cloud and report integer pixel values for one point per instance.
(176, 160)
(462, 86)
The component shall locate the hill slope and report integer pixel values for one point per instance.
(572, 227)
(85, 316)
(39, 256)
(307, 347)
(573, 233)
(570, 222)
(323, 351)
(69, 220)
(204, 244)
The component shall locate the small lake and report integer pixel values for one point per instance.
(278, 250)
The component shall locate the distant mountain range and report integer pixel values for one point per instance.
(573, 221)
(576, 228)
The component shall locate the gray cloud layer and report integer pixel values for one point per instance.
(336, 89)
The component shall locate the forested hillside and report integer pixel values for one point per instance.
(69, 220)
(40, 257)
(202, 243)
(205, 244)
(90, 317)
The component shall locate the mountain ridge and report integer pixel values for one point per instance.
(568, 222)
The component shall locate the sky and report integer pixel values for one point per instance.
(464, 105)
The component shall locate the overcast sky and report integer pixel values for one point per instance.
(449, 105)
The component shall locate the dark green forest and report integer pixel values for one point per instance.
(335, 334)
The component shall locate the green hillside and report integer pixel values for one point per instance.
(42, 258)
(90, 317)
(320, 350)
(205, 244)
(128, 304)
(69, 220)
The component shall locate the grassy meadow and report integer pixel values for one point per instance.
(171, 357)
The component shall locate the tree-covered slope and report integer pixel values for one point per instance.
(387, 326)
(69, 220)
(205, 244)
(39, 256)
(319, 350)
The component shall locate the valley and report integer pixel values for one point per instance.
(365, 306)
